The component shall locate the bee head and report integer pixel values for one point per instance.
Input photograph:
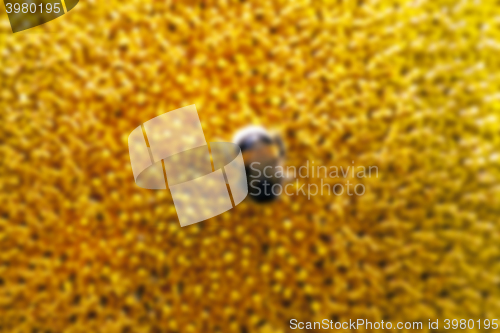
(260, 150)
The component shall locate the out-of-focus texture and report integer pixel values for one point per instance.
(409, 86)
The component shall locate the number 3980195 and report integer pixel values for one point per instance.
(33, 8)
(463, 324)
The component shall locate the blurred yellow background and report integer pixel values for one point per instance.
(409, 86)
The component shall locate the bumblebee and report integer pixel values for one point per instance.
(262, 153)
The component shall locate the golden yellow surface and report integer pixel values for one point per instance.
(409, 86)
